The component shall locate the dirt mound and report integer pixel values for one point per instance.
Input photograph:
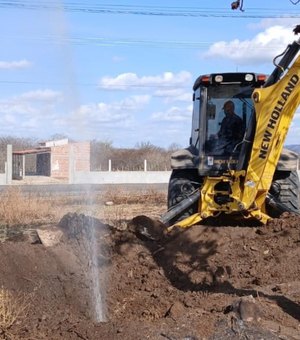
(201, 283)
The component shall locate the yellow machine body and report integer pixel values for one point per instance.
(274, 108)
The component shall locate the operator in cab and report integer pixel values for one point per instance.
(232, 125)
(231, 132)
(232, 128)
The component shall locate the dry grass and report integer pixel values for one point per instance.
(17, 208)
(20, 209)
(116, 216)
(14, 308)
(120, 196)
(128, 204)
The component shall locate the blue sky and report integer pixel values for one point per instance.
(123, 71)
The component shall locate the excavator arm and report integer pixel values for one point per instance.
(275, 106)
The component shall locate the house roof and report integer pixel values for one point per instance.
(32, 151)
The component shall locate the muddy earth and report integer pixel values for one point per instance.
(89, 280)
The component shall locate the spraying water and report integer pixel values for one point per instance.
(72, 102)
(97, 291)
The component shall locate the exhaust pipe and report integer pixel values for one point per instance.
(180, 207)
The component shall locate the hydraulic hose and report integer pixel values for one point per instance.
(180, 207)
(285, 61)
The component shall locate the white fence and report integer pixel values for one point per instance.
(3, 179)
(119, 177)
(6, 177)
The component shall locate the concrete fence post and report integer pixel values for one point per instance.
(9, 165)
(145, 165)
(109, 165)
(23, 166)
(72, 169)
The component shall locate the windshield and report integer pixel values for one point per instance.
(228, 110)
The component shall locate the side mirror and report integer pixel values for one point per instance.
(211, 111)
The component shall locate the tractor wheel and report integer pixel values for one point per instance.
(285, 191)
(182, 183)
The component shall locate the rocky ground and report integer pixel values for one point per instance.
(90, 280)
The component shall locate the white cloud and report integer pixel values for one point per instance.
(14, 107)
(31, 123)
(262, 48)
(101, 113)
(289, 23)
(41, 95)
(8, 65)
(110, 113)
(29, 103)
(9, 118)
(135, 102)
(173, 94)
(33, 112)
(127, 81)
(173, 114)
(42, 112)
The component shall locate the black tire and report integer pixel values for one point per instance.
(285, 192)
(182, 183)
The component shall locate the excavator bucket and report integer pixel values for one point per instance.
(155, 230)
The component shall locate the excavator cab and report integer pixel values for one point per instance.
(218, 147)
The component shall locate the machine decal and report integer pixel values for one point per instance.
(210, 160)
(275, 116)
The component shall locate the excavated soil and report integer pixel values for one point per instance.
(96, 281)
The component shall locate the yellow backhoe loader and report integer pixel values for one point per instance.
(246, 174)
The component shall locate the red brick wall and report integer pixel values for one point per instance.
(60, 161)
(60, 158)
(82, 153)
